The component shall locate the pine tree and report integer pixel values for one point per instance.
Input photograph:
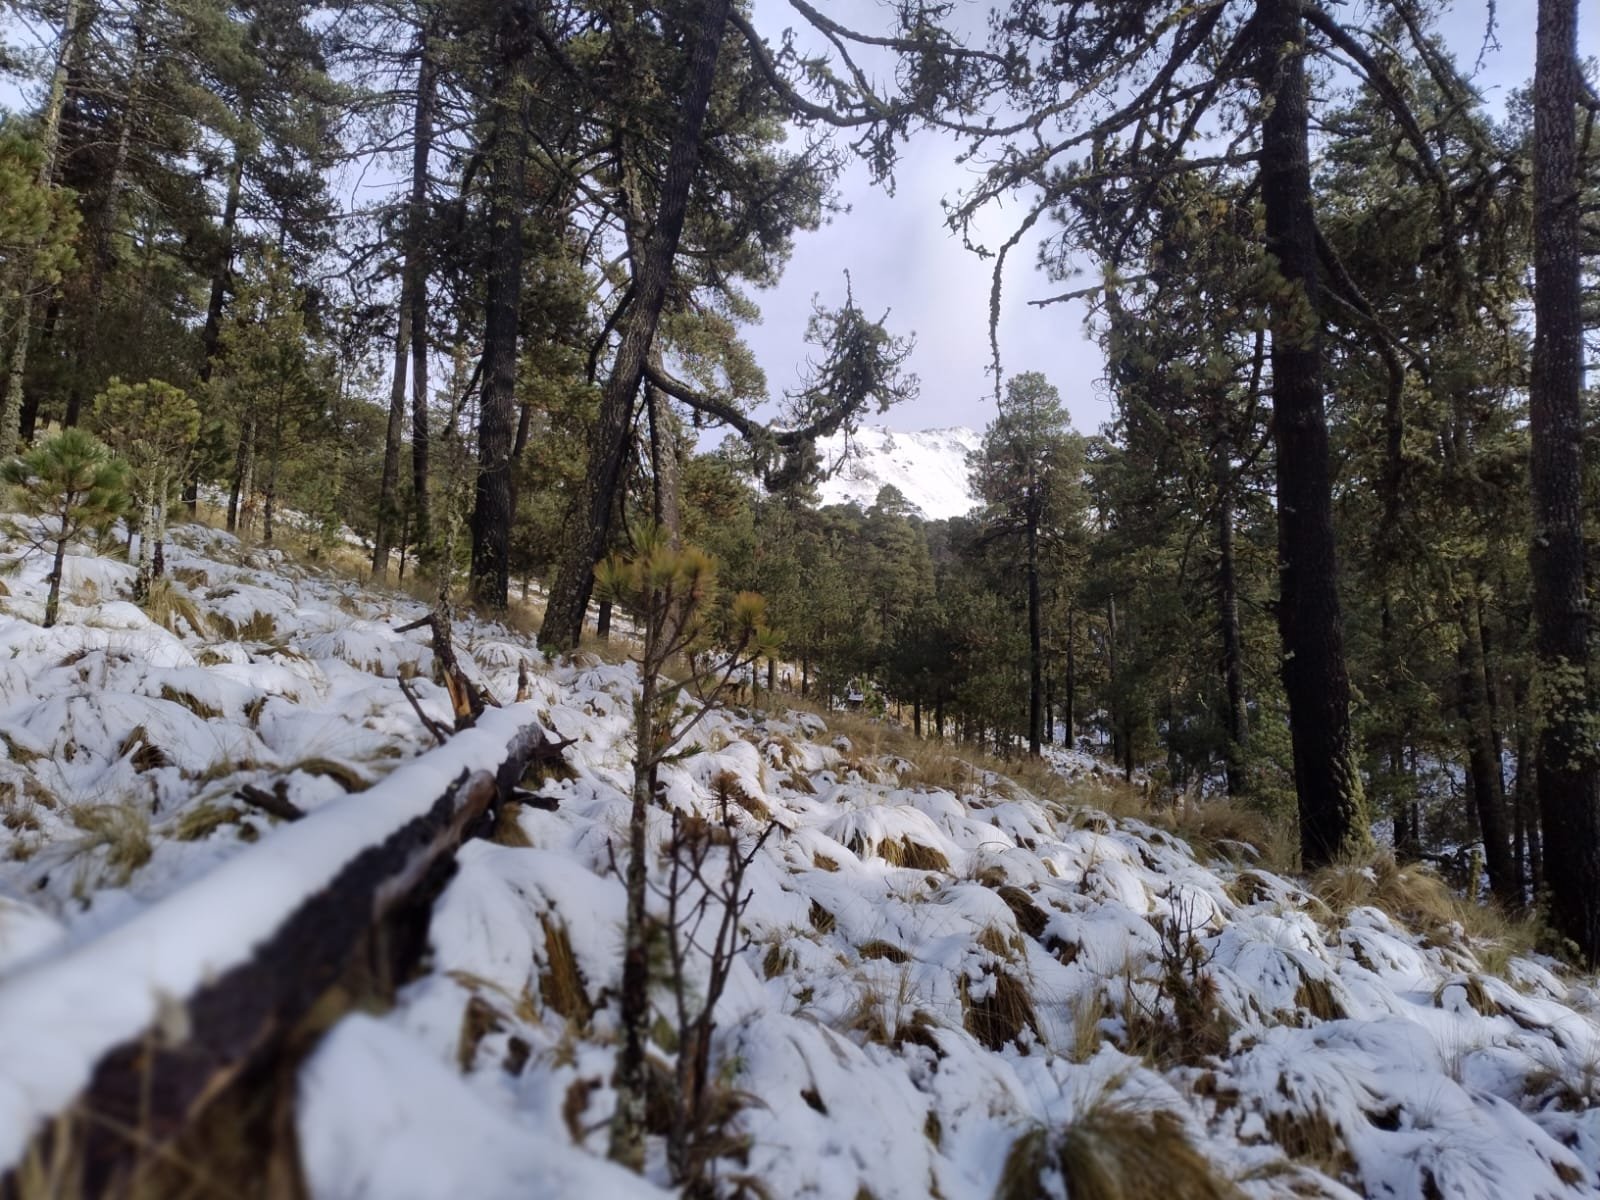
(71, 481)
(154, 426)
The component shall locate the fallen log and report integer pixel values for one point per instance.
(109, 1051)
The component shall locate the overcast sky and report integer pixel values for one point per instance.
(901, 257)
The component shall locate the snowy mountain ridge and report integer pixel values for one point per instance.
(929, 467)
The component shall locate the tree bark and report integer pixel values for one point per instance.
(411, 335)
(1333, 820)
(244, 468)
(1035, 644)
(416, 269)
(1563, 709)
(569, 594)
(1483, 766)
(493, 510)
(52, 601)
(1070, 712)
(663, 466)
(394, 433)
(211, 337)
(1238, 728)
(628, 1123)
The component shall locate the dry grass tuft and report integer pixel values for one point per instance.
(508, 827)
(878, 949)
(560, 982)
(778, 960)
(168, 607)
(193, 703)
(726, 789)
(903, 852)
(1114, 1152)
(1315, 996)
(1031, 919)
(1423, 903)
(123, 830)
(1311, 1138)
(146, 755)
(478, 1020)
(202, 821)
(821, 919)
(345, 775)
(1000, 1011)
(259, 628)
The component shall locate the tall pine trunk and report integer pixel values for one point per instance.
(244, 469)
(569, 594)
(492, 511)
(1236, 718)
(1483, 765)
(1035, 644)
(1333, 820)
(393, 435)
(663, 466)
(1563, 707)
(416, 269)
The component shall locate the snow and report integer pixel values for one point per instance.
(61, 1012)
(928, 467)
(1353, 1054)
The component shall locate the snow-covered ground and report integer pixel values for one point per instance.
(929, 468)
(953, 987)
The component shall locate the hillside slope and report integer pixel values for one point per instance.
(929, 468)
(953, 985)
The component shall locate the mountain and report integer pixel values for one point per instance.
(929, 468)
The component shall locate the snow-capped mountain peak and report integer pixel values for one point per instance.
(928, 467)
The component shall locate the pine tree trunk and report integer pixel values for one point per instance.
(494, 506)
(244, 469)
(663, 466)
(52, 602)
(1568, 800)
(1070, 712)
(1333, 821)
(1035, 647)
(1526, 798)
(269, 508)
(628, 1122)
(393, 435)
(1483, 767)
(569, 594)
(417, 280)
(72, 39)
(145, 571)
(1236, 719)
(211, 335)
(158, 558)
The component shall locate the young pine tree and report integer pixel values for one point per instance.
(155, 426)
(671, 591)
(71, 481)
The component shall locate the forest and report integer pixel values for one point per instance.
(1333, 558)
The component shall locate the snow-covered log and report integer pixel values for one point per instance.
(133, 1032)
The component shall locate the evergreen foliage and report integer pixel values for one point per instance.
(73, 483)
